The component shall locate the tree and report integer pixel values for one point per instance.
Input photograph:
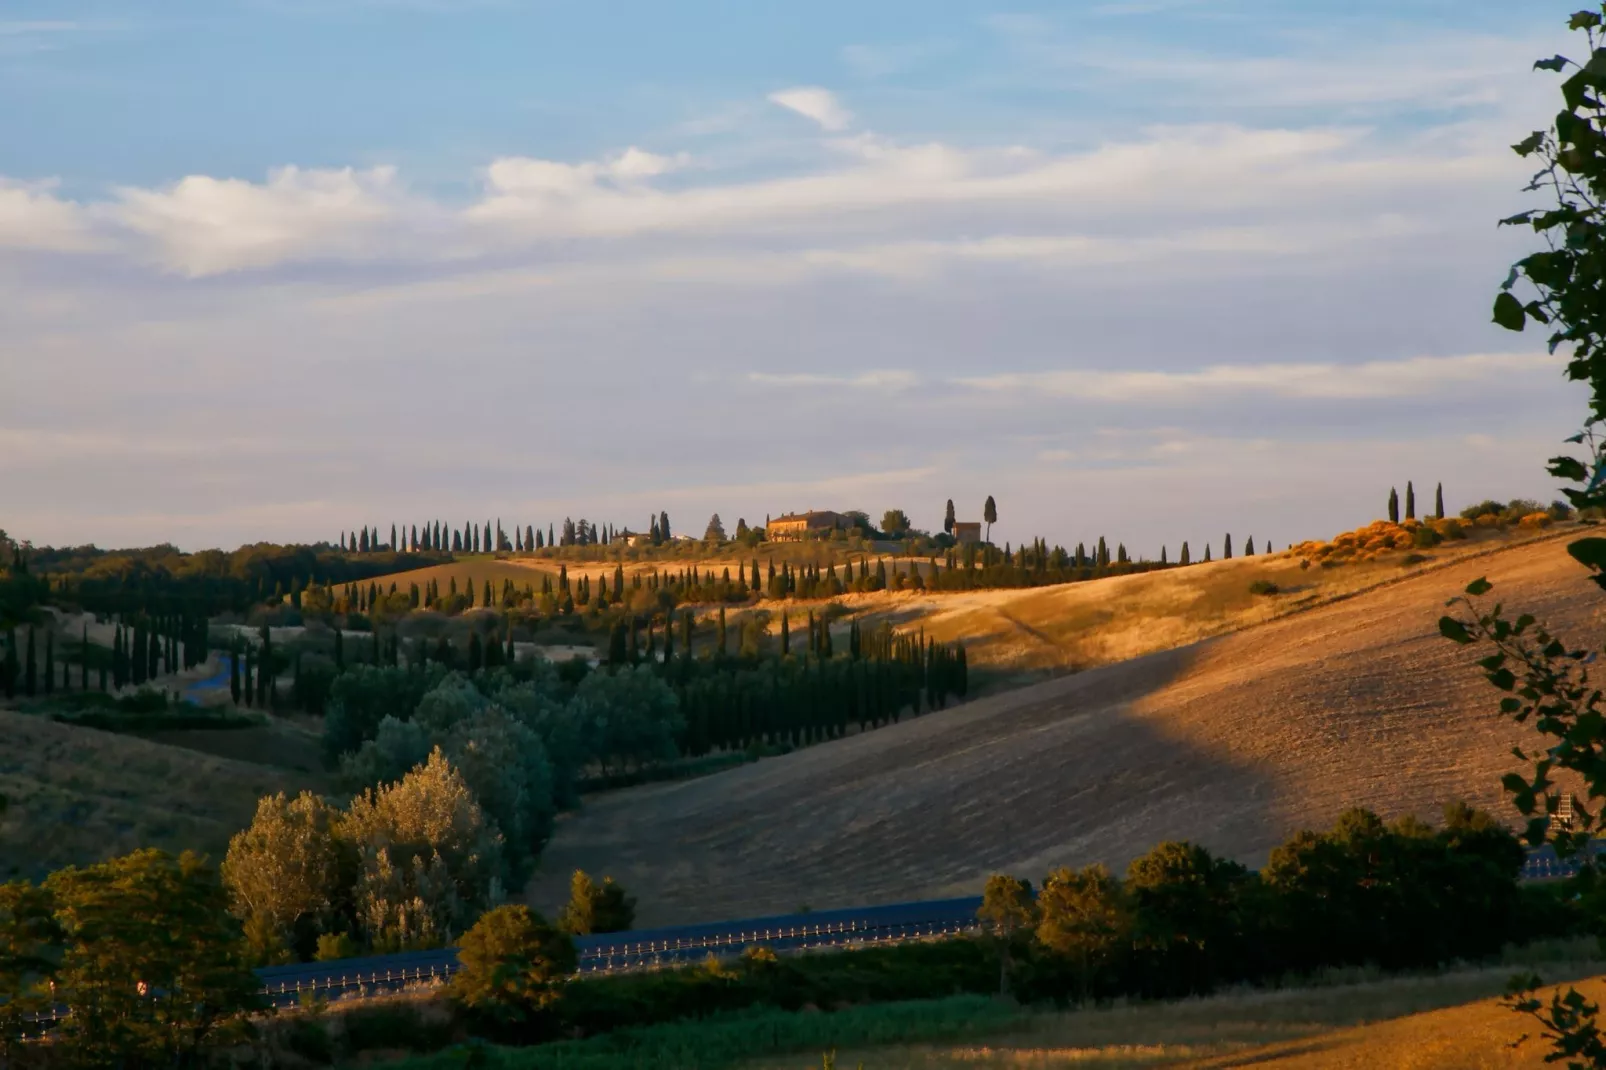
(663, 526)
(1226, 546)
(989, 513)
(11, 669)
(1182, 558)
(1394, 506)
(290, 876)
(512, 965)
(30, 944)
(153, 967)
(1410, 501)
(716, 531)
(1008, 909)
(596, 908)
(30, 668)
(894, 522)
(628, 719)
(428, 859)
(948, 517)
(1438, 502)
(1083, 917)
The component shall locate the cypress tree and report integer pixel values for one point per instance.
(1207, 552)
(1410, 501)
(30, 670)
(234, 671)
(687, 623)
(1249, 546)
(1438, 502)
(50, 661)
(786, 634)
(248, 681)
(83, 661)
(669, 638)
(393, 544)
(1182, 558)
(1394, 506)
(1226, 546)
(722, 647)
(10, 667)
(1162, 555)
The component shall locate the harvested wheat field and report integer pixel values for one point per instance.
(78, 795)
(1233, 742)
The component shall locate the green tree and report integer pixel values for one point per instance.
(290, 876)
(30, 947)
(596, 908)
(512, 965)
(1226, 546)
(1410, 501)
(30, 669)
(1082, 916)
(50, 660)
(1394, 506)
(11, 669)
(948, 519)
(1009, 910)
(715, 533)
(153, 969)
(989, 513)
(1438, 502)
(894, 523)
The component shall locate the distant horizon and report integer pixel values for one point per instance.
(1155, 271)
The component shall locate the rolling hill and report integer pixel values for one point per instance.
(1233, 742)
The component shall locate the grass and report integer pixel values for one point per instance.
(77, 795)
(725, 1040)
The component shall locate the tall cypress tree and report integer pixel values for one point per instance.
(50, 661)
(1226, 546)
(1394, 506)
(948, 518)
(786, 634)
(234, 671)
(30, 669)
(1438, 502)
(1182, 558)
(83, 661)
(1410, 501)
(11, 667)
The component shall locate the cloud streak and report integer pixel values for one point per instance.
(818, 105)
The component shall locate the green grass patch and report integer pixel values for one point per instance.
(724, 1040)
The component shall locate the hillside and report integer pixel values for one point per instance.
(77, 795)
(1233, 742)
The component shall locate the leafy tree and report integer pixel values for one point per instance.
(894, 523)
(512, 965)
(30, 947)
(1185, 906)
(153, 968)
(716, 530)
(948, 520)
(989, 513)
(289, 876)
(1083, 916)
(628, 719)
(1009, 910)
(428, 859)
(596, 908)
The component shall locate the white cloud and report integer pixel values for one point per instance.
(890, 379)
(1414, 376)
(812, 102)
(33, 217)
(202, 225)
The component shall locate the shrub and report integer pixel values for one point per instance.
(596, 908)
(335, 946)
(1263, 587)
(513, 965)
(394, 1023)
(1535, 520)
(1425, 538)
(1412, 559)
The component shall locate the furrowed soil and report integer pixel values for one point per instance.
(1234, 742)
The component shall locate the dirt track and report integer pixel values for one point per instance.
(1233, 742)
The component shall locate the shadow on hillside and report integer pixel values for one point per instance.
(1062, 773)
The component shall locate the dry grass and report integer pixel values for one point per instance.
(1233, 742)
(1449, 1022)
(78, 795)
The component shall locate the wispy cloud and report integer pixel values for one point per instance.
(872, 380)
(814, 103)
(1414, 376)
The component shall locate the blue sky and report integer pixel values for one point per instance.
(1153, 270)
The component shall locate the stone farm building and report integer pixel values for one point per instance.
(966, 531)
(794, 527)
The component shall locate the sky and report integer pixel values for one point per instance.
(1149, 269)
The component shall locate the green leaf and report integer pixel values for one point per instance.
(1589, 552)
(1454, 630)
(1568, 468)
(1481, 585)
(1583, 20)
(1508, 312)
(1504, 679)
(1527, 147)
(1554, 63)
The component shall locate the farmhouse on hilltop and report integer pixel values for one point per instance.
(794, 527)
(966, 531)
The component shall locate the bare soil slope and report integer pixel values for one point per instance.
(77, 795)
(1233, 742)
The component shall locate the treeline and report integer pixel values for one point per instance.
(438, 536)
(162, 581)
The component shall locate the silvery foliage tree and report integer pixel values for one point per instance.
(429, 860)
(1547, 681)
(502, 759)
(289, 873)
